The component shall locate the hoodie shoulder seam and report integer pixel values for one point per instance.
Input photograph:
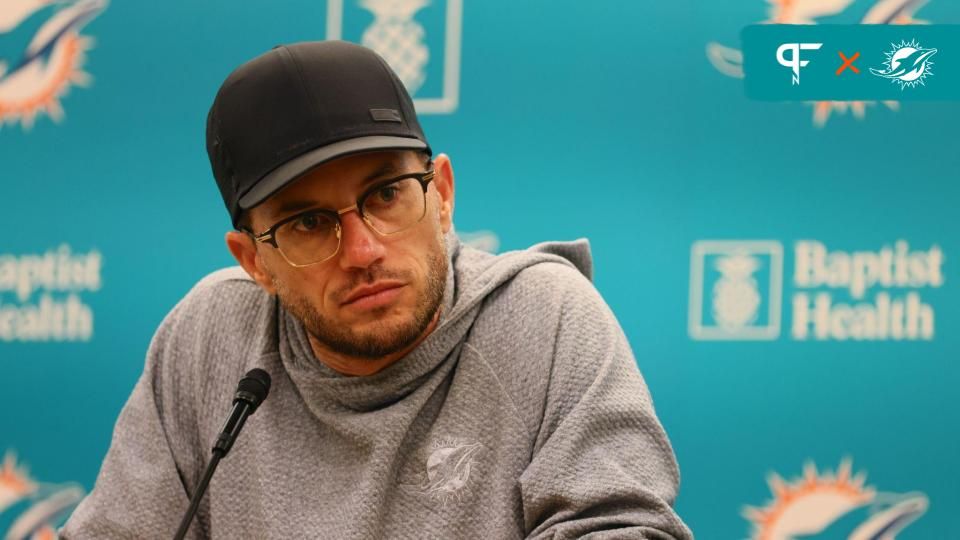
(513, 403)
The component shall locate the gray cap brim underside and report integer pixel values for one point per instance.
(278, 178)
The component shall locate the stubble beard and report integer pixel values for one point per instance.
(381, 338)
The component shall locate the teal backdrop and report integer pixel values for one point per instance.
(786, 272)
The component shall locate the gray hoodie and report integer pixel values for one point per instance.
(523, 414)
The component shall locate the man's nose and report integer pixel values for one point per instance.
(360, 246)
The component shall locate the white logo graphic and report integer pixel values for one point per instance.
(837, 295)
(735, 295)
(907, 64)
(832, 505)
(403, 42)
(398, 38)
(46, 289)
(794, 62)
(483, 240)
(886, 315)
(42, 55)
(448, 470)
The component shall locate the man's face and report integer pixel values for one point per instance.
(378, 294)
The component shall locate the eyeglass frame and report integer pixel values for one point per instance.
(269, 236)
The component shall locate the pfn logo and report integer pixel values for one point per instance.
(794, 62)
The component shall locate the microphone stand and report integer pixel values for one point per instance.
(198, 495)
(251, 391)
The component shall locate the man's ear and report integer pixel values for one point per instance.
(244, 250)
(444, 183)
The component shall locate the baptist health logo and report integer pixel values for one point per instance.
(794, 62)
(42, 55)
(46, 303)
(420, 39)
(736, 291)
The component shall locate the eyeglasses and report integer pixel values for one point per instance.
(388, 207)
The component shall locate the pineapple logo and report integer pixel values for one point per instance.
(729, 61)
(420, 39)
(398, 38)
(735, 295)
(832, 506)
(735, 289)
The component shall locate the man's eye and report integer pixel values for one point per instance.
(387, 194)
(310, 223)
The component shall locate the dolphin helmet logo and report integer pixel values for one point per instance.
(36, 508)
(827, 505)
(882, 518)
(42, 55)
(907, 64)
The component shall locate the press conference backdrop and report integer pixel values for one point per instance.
(786, 272)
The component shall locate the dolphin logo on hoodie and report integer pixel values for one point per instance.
(448, 470)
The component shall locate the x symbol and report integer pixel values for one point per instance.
(848, 63)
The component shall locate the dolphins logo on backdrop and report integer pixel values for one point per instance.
(729, 61)
(907, 64)
(42, 55)
(38, 508)
(822, 506)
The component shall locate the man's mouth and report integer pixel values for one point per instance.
(375, 295)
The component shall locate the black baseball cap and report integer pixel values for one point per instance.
(298, 106)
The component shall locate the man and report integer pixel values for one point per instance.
(421, 389)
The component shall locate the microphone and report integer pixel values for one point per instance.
(252, 390)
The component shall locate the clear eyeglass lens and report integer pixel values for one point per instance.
(310, 238)
(389, 209)
(395, 206)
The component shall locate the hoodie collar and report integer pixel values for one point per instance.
(471, 276)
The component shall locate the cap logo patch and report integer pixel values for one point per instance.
(386, 115)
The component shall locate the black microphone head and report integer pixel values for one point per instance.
(253, 388)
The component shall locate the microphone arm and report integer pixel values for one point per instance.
(251, 391)
(198, 495)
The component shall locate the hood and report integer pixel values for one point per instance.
(472, 275)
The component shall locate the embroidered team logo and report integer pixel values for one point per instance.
(729, 61)
(32, 510)
(907, 64)
(832, 506)
(449, 468)
(42, 55)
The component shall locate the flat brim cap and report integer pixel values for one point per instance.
(298, 106)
